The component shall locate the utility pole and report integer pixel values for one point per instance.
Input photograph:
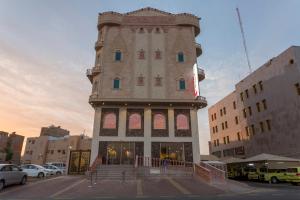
(244, 39)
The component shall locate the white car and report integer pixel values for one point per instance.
(60, 165)
(35, 170)
(55, 170)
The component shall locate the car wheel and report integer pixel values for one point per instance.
(1, 185)
(58, 173)
(24, 180)
(274, 180)
(41, 175)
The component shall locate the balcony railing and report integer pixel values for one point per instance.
(198, 49)
(201, 74)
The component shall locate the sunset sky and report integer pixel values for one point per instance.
(46, 47)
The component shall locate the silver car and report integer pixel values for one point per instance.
(11, 174)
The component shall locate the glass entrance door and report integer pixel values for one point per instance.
(120, 153)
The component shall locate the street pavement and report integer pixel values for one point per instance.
(78, 187)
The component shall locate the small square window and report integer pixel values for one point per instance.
(158, 81)
(157, 54)
(140, 81)
(141, 54)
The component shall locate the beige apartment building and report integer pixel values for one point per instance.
(12, 141)
(44, 149)
(263, 113)
(146, 87)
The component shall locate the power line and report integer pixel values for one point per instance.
(244, 40)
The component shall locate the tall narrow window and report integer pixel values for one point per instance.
(236, 120)
(268, 124)
(247, 93)
(141, 54)
(215, 115)
(264, 102)
(238, 136)
(181, 84)
(224, 110)
(180, 57)
(260, 85)
(234, 105)
(218, 142)
(223, 126)
(258, 106)
(228, 141)
(297, 85)
(213, 129)
(254, 89)
(215, 143)
(247, 131)
(118, 55)
(216, 129)
(262, 127)
(245, 112)
(226, 124)
(242, 96)
(224, 140)
(116, 83)
(212, 117)
(253, 129)
(250, 111)
(221, 112)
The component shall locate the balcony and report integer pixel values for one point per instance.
(90, 73)
(201, 74)
(99, 45)
(198, 50)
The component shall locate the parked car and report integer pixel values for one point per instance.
(54, 170)
(35, 170)
(60, 165)
(11, 174)
(293, 175)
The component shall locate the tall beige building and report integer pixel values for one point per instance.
(145, 86)
(14, 143)
(263, 113)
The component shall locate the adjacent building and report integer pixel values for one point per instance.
(13, 143)
(146, 86)
(262, 115)
(54, 131)
(50, 148)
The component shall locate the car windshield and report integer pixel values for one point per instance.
(292, 170)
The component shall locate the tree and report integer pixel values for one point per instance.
(9, 152)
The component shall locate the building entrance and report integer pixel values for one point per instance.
(116, 153)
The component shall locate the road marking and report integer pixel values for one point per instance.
(28, 185)
(178, 186)
(139, 188)
(67, 188)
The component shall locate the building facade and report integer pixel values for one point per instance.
(45, 149)
(54, 131)
(14, 143)
(145, 87)
(268, 111)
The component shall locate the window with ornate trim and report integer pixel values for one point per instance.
(182, 84)
(142, 54)
(141, 30)
(116, 83)
(182, 122)
(158, 81)
(140, 80)
(118, 55)
(159, 121)
(135, 121)
(157, 54)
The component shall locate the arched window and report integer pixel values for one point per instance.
(135, 121)
(118, 55)
(182, 122)
(116, 83)
(182, 84)
(142, 54)
(180, 57)
(159, 121)
(110, 121)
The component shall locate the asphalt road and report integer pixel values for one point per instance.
(77, 187)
